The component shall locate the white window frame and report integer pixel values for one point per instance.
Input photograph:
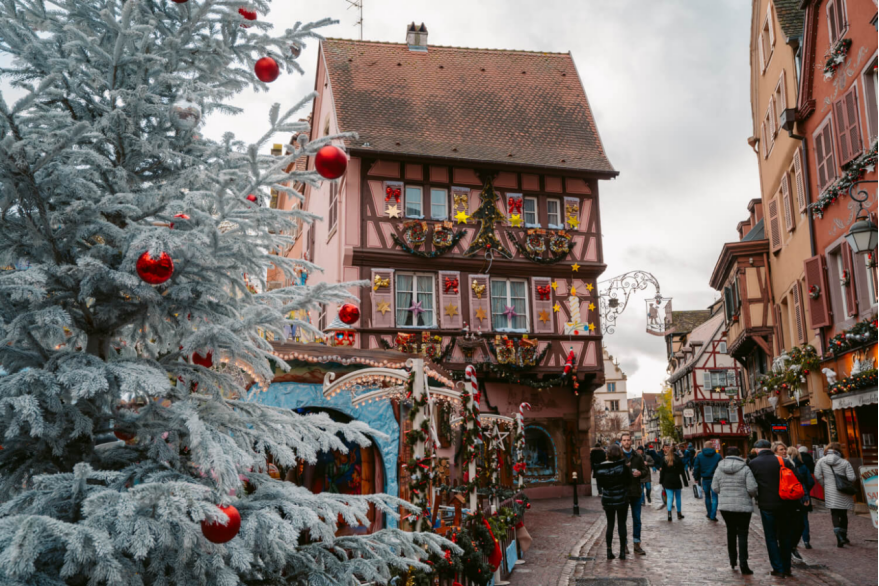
(433, 295)
(843, 28)
(721, 347)
(734, 415)
(533, 201)
(507, 302)
(838, 296)
(445, 203)
(708, 411)
(420, 189)
(558, 225)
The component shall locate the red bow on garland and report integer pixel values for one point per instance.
(451, 284)
(515, 205)
(392, 192)
(543, 292)
(519, 468)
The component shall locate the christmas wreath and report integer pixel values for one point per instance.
(559, 245)
(814, 292)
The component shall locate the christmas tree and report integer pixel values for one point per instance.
(487, 213)
(134, 250)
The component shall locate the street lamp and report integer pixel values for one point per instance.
(862, 236)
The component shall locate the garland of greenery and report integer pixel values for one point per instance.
(801, 361)
(861, 334)
(435, 253)
(852, 173)
(836, 57)
(536, 257)
(420, 469)
(471, 435)
(857, 382)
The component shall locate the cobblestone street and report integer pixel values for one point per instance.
(682, 553)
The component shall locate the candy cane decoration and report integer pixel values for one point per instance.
(519, 467)
(472, 431)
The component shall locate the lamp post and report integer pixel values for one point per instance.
(576, 499)
(862, 236)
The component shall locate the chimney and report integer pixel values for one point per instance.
(755, 206)
(416, 37)
(744, 227)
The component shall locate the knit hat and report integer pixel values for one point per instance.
(803, 449)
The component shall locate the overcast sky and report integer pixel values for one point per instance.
(669, 85)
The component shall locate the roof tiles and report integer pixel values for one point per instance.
(481, 105)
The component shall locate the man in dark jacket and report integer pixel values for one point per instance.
(777, 515)
(596, 456)
(703, 471)
(639, 469)
(656, 457)
(808, 460)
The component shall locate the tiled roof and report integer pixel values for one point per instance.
(790, 17)
(480, 105)
(687, 321)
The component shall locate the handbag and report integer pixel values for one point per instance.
(843, 484)
(697, 492)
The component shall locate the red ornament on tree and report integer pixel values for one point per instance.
(126, 437)
(180, 1)
(219, 533)
(331, 162)
(180, 216)
(251, 198)
(206, 361)
(267, 70)
(247, 14)
(349, 313)
(155, 271)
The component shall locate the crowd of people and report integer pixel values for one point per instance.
(776, 478)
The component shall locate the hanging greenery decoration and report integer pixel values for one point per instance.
(866, 163)
(559, 244)
(861, 334)
(436, 252)
(862, 380)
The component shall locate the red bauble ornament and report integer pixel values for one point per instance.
(206, 361)
(349, 313)
(219, 533)
(527, 505)
(247, 14)
(331, 162)
(267, 70)
(251, 198)
(155, 271)
(180, 1)
(179, 216)
(126, 437)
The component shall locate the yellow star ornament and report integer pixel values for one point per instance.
(451, 310)
(480, 314)
(589, 287)
(462, 217)
(516, 221)
(554, 285)
(383, 307)
(591, 307)
(591, 327)
(393, 212)
(575, 267)
(556, 308)
(573, 221)
(544, 316)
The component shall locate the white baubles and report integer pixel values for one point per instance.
(185, 114)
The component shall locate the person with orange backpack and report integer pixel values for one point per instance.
(778, 492)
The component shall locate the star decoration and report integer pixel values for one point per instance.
(591, 327)
(573, 221)
(393, 211)
(383, 307)
(451, 310)
(516, 221)
(480, 314)
(589, 287)
(543, 316)
(462, 217)
(575, 267)
(416, 310)
(554, 285)
(510, 311)
(556, 308)
(573, 290)
(591, 307)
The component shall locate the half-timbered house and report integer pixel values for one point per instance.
(471, 206)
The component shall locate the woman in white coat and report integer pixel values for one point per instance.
(838, 502)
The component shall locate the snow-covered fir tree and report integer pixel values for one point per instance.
(102, 160)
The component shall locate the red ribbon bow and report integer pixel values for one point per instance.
(543, 292)
(515, 205)
(451, 284)
(392, 192)
(519, 468)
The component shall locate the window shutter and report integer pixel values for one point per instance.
(396, 196)
(774, 225)
(833, 29)
(734, 415)
(477, 302)
(709, 413)
(728, 302)
(706, 380)
(764, 142)
(542, 304)
(572, 203)
(853, 131)
(840, 18)
(778, 329)
(773, 118)
(799, 180)
(840, 120)
(760, 52)
(770, 27)
(382, 293)
(829, 162)
(820, 161)
(450, 300)
(788, 206)
(850, 292)
(799, 317)
(870, 105)
(782, 93)
(816, 280)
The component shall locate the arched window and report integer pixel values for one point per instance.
(541, 459)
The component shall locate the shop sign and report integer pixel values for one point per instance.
(848, 400)
(869, 479)
(779, 427)
(689, 413)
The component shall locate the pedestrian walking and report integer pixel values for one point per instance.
(691, 451)
(614, 479)
(672, 478)
(807, 458)
(806, 479)
(656, 457)
(597, 455)
(639, 470)
(686, 458)
(776, 514)
(646, 481)
(837, 476)
(735, 485)
(703, 472)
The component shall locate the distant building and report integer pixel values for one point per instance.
(611, 403)
(650, 428)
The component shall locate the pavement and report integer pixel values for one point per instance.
(570, 551)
